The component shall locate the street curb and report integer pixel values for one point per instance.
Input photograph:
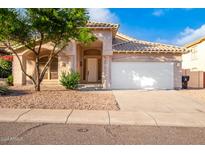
(100, 117)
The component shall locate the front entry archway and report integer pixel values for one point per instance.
(91, 66)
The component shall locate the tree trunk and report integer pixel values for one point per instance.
(38, 86)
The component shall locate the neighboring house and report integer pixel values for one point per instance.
(193, 63)
(114, 60)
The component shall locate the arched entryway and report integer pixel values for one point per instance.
(91, 66)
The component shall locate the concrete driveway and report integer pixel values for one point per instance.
(163, 101)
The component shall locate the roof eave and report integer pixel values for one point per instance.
(113, 29)
(188, 45)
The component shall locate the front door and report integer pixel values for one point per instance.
(92, 69)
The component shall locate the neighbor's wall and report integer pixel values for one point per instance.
(196, 78)
(195, 62)
(175, 58)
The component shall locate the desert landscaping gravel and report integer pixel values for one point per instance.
(59, 99)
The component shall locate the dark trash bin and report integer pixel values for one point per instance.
(185, 80)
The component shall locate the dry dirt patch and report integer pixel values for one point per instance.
(59, 99)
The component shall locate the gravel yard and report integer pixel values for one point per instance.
(58, 98)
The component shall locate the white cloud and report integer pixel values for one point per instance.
(102, 15)
(161, 12)
(189, 35)
(163, 41)
(158, 13)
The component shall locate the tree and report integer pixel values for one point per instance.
(31, 28)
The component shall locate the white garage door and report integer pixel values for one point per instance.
(142, 75)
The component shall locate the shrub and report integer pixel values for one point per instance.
(9, 80)
(5, 68)
(70, 80)
(4, 90)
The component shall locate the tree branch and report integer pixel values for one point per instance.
(41, 42)
(48, 63)
(52, 55)
(33, 50)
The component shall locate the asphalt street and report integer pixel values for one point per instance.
(43, 133)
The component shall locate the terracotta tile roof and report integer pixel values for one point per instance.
(134, 45)
(103, 25)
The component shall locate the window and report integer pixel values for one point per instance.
(194, 53)
(52, 72)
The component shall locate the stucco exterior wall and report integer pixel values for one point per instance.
(64, 64)
(106, 71)
(176, 59)
(19, 77)
(193, 65)
(106, 37)
(195, 62)
(30, 69)
(196, 79)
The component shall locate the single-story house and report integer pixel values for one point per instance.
(114, 61)
(193, 63)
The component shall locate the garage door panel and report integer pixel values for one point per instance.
(142, 75)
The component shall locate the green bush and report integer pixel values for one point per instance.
(70, 80)
(5, 68)
(9, 80)
(4, 90)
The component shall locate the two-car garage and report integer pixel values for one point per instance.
(142, 75)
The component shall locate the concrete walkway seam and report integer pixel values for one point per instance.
(69, 116)
(22, 115)
(152, 118)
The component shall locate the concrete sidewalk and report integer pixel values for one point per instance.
(103, 117)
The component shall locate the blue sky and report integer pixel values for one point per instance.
(172, 26)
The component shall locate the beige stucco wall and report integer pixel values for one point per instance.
(106, 71)
(64, 64)
(19, 77)
(196, 79)
(105, 37)
(195, 64)
(30, 69)
(175, 58)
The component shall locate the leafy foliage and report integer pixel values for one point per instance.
(60, 25)
(5, 68)
(9, 80)
(70, 80)
(31, 28)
